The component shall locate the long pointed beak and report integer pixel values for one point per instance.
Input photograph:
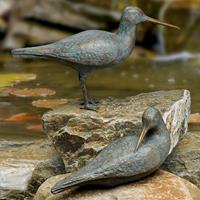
(159, 22)
(141, 137)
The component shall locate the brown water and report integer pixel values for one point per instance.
(133, 77)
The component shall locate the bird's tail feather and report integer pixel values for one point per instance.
(67, 183)
(31, 52)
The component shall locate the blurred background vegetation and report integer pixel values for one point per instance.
(35, 22)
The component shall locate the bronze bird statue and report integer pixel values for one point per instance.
(93, 49)
(126, 159)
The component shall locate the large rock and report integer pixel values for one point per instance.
(31, 21)
(78, 135)
(5, 6)
(38, 18)
(44, 170)
(32, 33)
(184, 161)
(72, 14)
(160, 186)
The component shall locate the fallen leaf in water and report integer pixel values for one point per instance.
(34, 127)
(26, 92)
(11, 79)
(194, 118)
(22, 117)
(49, 103)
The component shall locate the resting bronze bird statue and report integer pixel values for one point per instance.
(126, 159)
(93, 49)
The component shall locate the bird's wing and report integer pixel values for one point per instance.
(119, 160)
(91, 48)
(101, 165)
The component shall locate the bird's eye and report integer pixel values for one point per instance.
(137, 15)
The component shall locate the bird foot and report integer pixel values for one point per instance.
(89, 106)
(92, 102)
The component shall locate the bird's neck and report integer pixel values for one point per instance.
(162, 129)
(127, 31)
(164, 136)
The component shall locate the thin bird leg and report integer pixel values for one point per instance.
(87, 105)
(90, 101)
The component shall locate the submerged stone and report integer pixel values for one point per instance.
(78, 135)
(48, 103)
(31, 92)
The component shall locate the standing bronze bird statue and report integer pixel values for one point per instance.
(93, 49)
(126, 159)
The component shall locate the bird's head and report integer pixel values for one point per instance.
(151, 119)
(136, 15)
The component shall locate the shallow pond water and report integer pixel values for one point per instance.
(134, 77)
